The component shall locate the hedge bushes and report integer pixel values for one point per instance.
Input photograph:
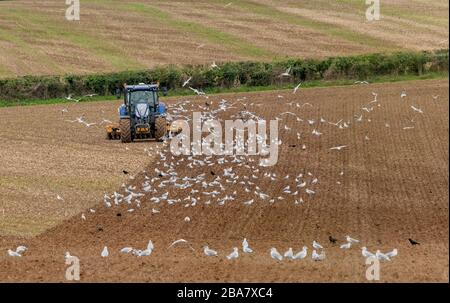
(231, 74)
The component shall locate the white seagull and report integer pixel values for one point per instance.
(12, 253)
(186, 82)
(366, 253)
(417, 109)
(296, 88)
(351, 240)
(245, 247)
(126, 250)
(105, 252)
(275, 254)
(287, 73)
(317, 245)
(338, 147)
(301, 254)
(346, 245)
(234, 254)
(209, 252)
(392, 253)
(316, 257)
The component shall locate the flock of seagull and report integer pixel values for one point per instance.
(203, 184)
(234, 254)
(207, 251)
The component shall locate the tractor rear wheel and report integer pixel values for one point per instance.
(160, 128)
(125, 130)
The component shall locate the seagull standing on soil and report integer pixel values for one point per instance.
(301, 254)
(234, 254)
(346, 245)
(12, 253)
(316, 257)
(351, 240)
(366, 253)
(317, 245)
(21, 249)
(209, 252)
(105, 252)
(289, 253)
(126, 250)
(245, 247)
(275, 254)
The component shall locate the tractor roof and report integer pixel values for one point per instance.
(141, 86)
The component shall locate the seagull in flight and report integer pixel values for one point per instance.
(417, 109)
(296, 88)
(392, 253)
(69, 97)
(105, 121)
(287, 73)
(338, 147)
(180, 241)
(186, 82)
(198, 92)
(88, 124)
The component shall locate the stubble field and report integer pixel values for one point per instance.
(116, 35)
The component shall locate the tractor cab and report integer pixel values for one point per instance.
(136, 96)
(142, 116)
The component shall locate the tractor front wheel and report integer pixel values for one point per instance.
(160, 128)
(125, 130)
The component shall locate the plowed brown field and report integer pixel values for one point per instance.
(388, 184)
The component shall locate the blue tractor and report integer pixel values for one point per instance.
(142, 116)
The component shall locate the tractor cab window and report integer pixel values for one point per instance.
(148, 97)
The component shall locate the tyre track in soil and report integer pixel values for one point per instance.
(383, 200)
